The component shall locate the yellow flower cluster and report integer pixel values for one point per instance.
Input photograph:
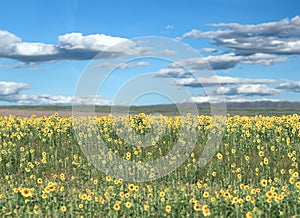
(254, 171)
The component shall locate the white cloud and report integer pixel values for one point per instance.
(12, 47)
(227, 99)
(216, 99)
(291, 86)
(168, 52)
(134, 64)
(208, 50)
(205, 99)
(72, 46)
(92, 100)
(194, 33)
(6, 40)
(46, 99)
(12, 88)
(219, 81)
(247, 90)
(223, 90)
(12, 92)
(256, 89)
(280, 37)
(32, 49)
(95, 42)
(107, 64)
(173, 73)
(240, 93)
(219, 62)
(227, 61)
(42, 99)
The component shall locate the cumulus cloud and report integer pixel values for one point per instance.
(96, 42)
(227, 99)
(71, 46)
(168, 52)
(46, 99)
(12, 47)
(12, 88)
(291, 86)
(219, 81)
(280, 37)
(32, 49)
(247, 90)
(12, 92)
(107, 64)
(219, 62)
(209, 50)
(173, 73)
(6, 40)
(215, 99)
(226, 61)
(239, 90)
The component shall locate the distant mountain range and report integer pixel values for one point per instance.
(270, 108)
(259, 104)
(250, 104)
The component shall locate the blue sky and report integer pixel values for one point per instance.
(252, 47)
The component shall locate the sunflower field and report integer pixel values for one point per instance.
(253, 172)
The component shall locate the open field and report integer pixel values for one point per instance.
(253, 173)
(66, 111)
